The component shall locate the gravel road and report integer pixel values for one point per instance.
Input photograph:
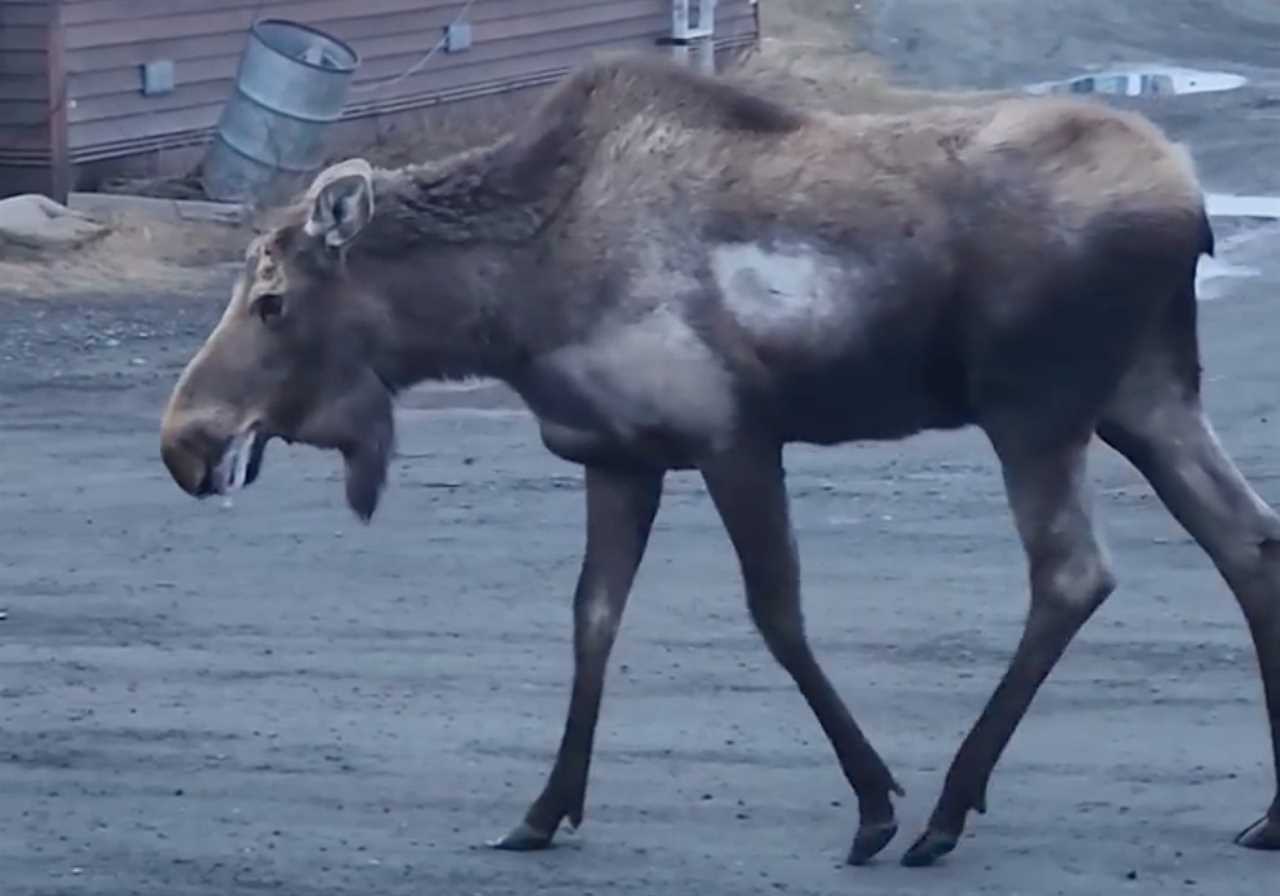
(272, 698)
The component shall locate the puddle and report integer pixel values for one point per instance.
(1227, 205)
(1149, 80)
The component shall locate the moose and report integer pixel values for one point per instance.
(675, 272)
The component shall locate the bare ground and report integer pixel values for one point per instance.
(272, 698)
(195, 700)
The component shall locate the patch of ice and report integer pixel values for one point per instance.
(1226, 205)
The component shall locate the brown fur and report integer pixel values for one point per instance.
(675, 273)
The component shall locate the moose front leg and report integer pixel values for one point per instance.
(620, 510)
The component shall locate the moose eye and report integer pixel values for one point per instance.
(269, 306)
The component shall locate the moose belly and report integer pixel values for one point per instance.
(648, 386)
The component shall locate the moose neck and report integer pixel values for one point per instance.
(446, 248)
(440, 313)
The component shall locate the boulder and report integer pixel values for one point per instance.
(33, 221)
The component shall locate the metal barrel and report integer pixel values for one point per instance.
(291, 85)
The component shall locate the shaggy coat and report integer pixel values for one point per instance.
(676, 273)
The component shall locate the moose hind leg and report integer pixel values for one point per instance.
(1173, 445)
(620, 511)
(748, 490)
(1070, 578)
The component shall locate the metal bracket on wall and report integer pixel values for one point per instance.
(457, 37)
(692, 39)
(693, 19)
(157, 77)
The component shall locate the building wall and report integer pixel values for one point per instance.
(28, 119)
(514, 43)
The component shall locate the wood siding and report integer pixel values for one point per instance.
(26, 114)
(514, 43)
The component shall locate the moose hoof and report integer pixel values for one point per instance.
(931, 846)
(870, 840)
(1263, 834)
(523, 838)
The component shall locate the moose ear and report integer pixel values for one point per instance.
(341, 202)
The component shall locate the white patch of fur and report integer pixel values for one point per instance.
(791, 294)
(601, 620)
(653, 372)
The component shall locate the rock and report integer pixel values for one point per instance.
(33, 221)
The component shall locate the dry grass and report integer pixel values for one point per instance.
(808, 55)
(138, 253)
(822, 78)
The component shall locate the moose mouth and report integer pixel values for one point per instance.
(240, 463)
(364, 434)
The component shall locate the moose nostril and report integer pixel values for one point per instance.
(205, 487)
(190, 458)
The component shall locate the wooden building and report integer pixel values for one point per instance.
(71, 86)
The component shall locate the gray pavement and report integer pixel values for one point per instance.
(273, 698)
